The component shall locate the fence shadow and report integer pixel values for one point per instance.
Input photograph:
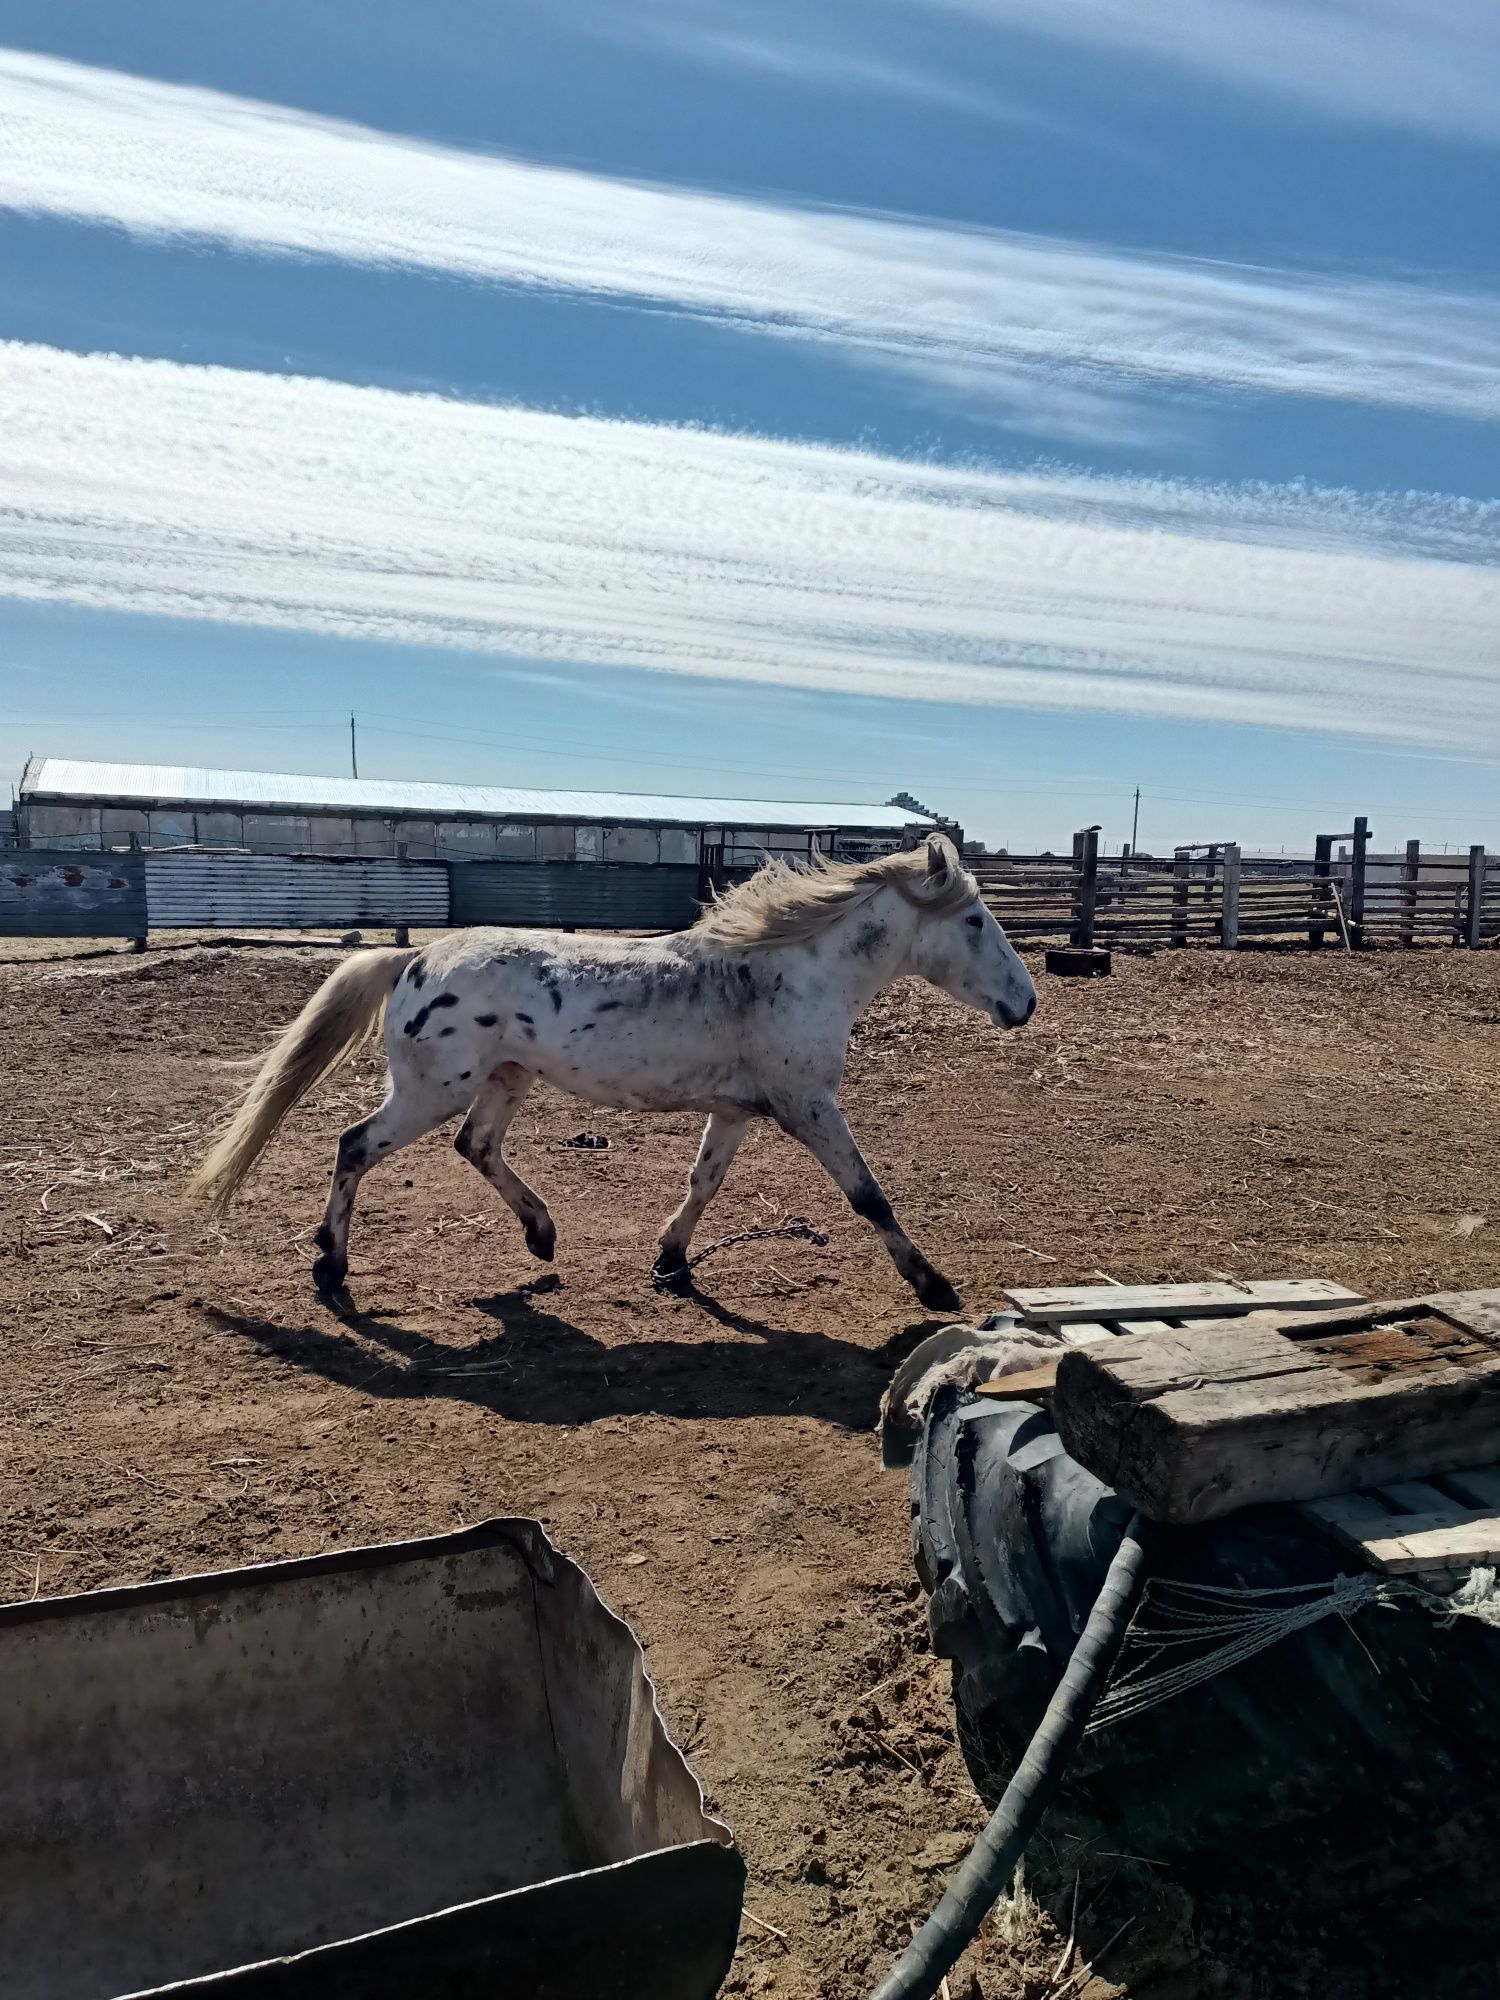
(540, 1368)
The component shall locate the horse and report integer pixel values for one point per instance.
(744, 1015)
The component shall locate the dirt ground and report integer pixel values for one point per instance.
(175, 1398)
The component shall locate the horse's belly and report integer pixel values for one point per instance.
(629, 1080)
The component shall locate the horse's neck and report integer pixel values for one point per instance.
(866, 963)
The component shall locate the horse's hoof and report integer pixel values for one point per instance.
(671, 1268)
(541, 1241)
(937, 1294)
(328, 1276)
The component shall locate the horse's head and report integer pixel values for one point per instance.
(960, 947)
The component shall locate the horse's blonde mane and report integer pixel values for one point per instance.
(788, 903)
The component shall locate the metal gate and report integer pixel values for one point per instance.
(46, 893)
(292, 892)
(584, 895)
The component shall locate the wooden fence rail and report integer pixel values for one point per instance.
(1213, 894)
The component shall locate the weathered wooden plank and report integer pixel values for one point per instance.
(1124, 1326)
(1479, 1312)
(1354, 1517)
(1026, 1385)
(1082, 1332)
(1403, 1543)
(1057, 1305)
(1196, 1423)
(1207, 1353)
(1479, 1484)
(1416, 1496)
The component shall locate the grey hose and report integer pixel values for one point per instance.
(991, 1862)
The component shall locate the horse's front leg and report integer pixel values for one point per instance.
(823, 1129)
(721, 1138)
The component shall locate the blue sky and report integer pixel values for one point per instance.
(1016, 401)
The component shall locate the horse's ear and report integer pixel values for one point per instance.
(941, 859)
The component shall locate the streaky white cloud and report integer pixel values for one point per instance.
(1045, 330)
(213, 494)
(1428, 67)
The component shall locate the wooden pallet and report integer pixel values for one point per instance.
(1448, 1522)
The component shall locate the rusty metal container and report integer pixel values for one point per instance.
(433, 1767)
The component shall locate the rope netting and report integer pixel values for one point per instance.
(1185, 1633)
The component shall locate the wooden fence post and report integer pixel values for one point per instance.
(1356, 911)
(1086, 861)
(1410, 872)
(1229, 905)
(1322, 871)
(1181, 877)
(1474, 914)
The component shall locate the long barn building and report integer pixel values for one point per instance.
(621, 859)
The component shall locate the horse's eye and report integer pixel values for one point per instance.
(975, 923)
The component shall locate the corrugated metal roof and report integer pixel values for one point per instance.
(77, 781)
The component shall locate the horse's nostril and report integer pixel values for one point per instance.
(1030, 1007)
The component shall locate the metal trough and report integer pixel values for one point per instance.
(432, 1768)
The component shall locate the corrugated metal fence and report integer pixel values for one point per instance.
(587, 895)
(291, 892)
(47, 894)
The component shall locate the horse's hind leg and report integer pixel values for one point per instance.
(823, 1129)
(399, 1121)
(480, 1139)
(721, 1138)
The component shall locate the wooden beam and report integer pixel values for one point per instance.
(1322, 883)
(1057, 1305)
(1474, 906)
(1411, 870)
(1181, 876)
(1194, 1424)
(1086, 854)
(1360, 848)
(1452, 1538)
(1229, 906)
(1026, 1385)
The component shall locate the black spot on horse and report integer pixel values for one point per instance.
(556, 999)
(446, 1031)
(608, 1006)
(421, 1019)
(530, 1032)
(744, 973)
(486, 1020)
(464, 1075)
(415, 975)
(869, 938)
(524, 1019)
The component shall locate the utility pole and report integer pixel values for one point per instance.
(1135, 823)
(353, 752)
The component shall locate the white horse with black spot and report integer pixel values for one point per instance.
(746, 1015)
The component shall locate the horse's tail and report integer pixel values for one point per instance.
(341, 1015)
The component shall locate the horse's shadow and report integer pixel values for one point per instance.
(542, 1369)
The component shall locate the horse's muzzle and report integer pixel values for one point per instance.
(1007, 1016)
